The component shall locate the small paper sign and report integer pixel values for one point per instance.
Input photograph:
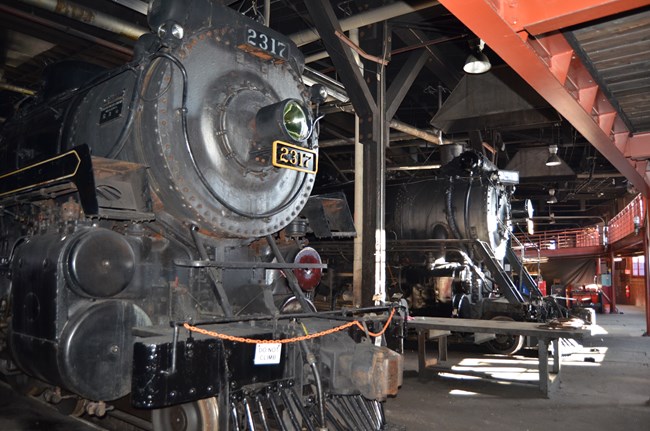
(267, 354)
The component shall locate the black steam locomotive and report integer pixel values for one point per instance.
(454, 249)
(148, 244)
(449, 250)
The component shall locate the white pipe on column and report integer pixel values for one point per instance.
(357, 262)
(267, 13)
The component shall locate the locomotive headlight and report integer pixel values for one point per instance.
(288, 120)
(296, 121)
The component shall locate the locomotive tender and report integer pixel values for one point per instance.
(143, 245)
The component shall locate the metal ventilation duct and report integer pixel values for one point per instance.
(531, 164)
(498, 99)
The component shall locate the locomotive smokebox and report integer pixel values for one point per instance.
(470, 204)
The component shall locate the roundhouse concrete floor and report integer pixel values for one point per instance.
(604, 385)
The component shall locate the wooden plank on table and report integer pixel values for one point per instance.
(532, 329)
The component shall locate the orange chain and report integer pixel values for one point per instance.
(289, 340)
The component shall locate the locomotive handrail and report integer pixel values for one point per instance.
(246, 265)
(305, 337)
(343, 314)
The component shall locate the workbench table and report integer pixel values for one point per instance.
(440, 327)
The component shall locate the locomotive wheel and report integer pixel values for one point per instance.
(201, 415)
(505, 344)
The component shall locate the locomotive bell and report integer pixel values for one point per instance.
(288, 119)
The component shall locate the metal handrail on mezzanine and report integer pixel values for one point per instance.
(628, 221)
(561, 239)
(625, 223)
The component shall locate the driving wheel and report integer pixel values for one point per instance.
(201, 415)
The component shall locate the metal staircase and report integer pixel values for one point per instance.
(526, 280)
(506, 285)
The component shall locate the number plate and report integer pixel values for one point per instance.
(257, 41)
(291, 156)
(110, 112)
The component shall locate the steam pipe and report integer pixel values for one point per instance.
(451, 217)
(90, 17)
(76, 33)
(311, 360)
(17, 89)
(414, 131)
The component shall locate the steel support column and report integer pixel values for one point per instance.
(367, 100)
(613, 308)
(375, 107)
(374, 39)
(547, 62)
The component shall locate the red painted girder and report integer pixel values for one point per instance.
(548, 65)
(638, 146)
(543, 16)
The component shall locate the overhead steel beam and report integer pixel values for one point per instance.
(437, 63)
(403, 81)
(328, 25)
(549, 65)
(371, 16)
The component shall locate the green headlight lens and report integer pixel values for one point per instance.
(296, 121)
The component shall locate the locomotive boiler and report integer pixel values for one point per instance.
(144, 246)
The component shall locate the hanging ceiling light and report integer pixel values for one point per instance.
(551, 197)
(553, 158)
(477, 62)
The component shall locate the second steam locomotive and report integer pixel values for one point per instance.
(449, 250)
(147, 243)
